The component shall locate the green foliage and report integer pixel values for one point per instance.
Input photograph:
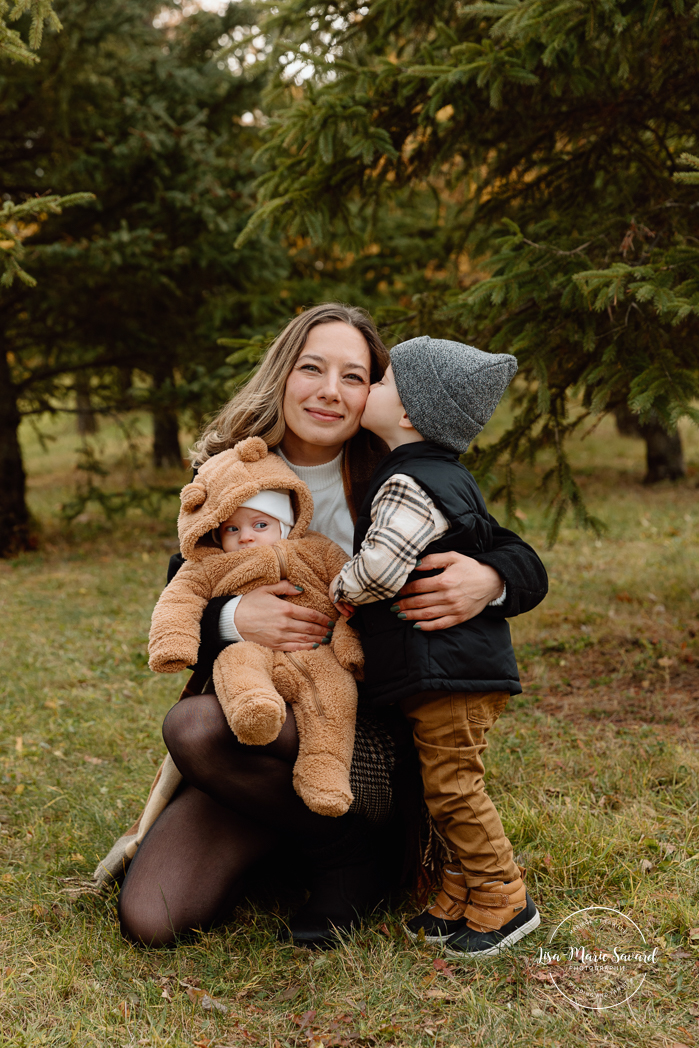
(144, 115)
(14, 230)
(550, 134)
(40, 12)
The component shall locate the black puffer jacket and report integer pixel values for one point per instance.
(472, 656)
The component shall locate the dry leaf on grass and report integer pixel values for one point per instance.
(646, 865)
(288, 994)
(302, 1021)
(442, 968)
(92, 760)
(208, 1003)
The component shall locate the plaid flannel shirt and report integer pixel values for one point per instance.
(405, 521)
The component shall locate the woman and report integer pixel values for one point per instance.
(237, 804)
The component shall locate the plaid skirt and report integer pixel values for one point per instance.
(371, 772)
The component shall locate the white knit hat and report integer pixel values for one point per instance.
(275, 504)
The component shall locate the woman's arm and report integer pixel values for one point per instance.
(262, 616)
(466, 585)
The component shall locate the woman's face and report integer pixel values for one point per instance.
(326, 393)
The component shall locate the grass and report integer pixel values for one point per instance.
(594, 770)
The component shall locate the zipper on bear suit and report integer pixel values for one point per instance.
(284, 574)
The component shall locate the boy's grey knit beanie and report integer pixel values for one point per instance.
(449, 390)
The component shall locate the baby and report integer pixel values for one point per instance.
(243, 524)
(451, 683)
(251, 526)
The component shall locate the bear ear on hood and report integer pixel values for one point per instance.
(251, 450)
(192, 496)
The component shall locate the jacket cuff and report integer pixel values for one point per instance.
(499, 600)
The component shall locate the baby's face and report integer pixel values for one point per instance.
(248, 527)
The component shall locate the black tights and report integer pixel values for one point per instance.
(236, 804)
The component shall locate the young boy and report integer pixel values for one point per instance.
(451, 683)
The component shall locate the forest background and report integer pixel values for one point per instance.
(178, 180)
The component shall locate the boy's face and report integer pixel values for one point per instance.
(384, 410)
(248, 527)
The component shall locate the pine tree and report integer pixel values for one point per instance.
(141, 107)
(550, 133)
(17, 223)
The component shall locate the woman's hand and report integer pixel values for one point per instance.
(462, 590)
(263, 617)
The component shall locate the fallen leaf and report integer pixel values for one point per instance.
(646, 865)
(537, 1013)
(681, 955)
(442, 968)
(288, 994)
(383, 928)
(302, 1021)
(437, 993)
(208, 1004)
(93, 760)
(166, 994)
(694, 933)
(544, 977)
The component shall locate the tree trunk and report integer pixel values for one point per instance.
(166, 444)
(664, 458)
(15, 530)
(87, 419)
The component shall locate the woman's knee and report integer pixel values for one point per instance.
(193, 725)
(143, 919)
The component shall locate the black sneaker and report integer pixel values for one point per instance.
(472, 943)
(445, 918)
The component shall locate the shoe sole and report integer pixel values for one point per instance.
(504, 944)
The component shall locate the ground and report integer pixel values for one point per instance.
(594, 769)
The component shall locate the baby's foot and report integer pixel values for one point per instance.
(258, 717)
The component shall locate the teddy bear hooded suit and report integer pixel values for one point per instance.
(252, 682)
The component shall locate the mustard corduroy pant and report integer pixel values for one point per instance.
(450, 730)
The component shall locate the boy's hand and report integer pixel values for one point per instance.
(343, 606)
(461, 591)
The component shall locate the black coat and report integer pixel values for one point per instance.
(473, 656)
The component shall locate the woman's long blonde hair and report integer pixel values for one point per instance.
(257, 409)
